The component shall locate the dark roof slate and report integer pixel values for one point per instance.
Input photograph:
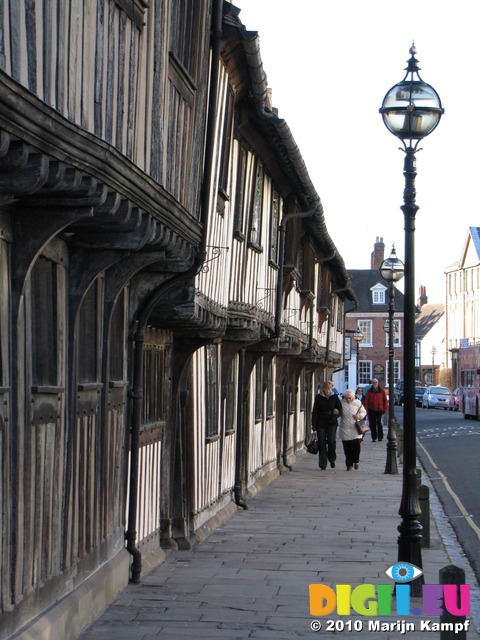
(363, 280)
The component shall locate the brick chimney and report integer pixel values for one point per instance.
(422, 297)
(378, 254)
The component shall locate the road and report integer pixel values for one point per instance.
(449, 449)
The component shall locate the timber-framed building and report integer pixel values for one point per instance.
(170, 295)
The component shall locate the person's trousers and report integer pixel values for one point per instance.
(327, 445)
(352, 451)
(375, 422)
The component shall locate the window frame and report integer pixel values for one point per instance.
(240, 192)
(363, 377)
(212, 382)
(256, 206)
(366, 327)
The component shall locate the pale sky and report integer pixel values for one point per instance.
(329, 65)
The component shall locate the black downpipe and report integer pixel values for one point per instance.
(164, 289)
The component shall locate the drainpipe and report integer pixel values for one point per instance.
(164, 289)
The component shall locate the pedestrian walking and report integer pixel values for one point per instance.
(376, 404)
(326, 410)
(352, 410)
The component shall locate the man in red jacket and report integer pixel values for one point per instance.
(376, 404)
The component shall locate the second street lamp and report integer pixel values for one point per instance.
(392, 271)
(410, 110)
(358, 337)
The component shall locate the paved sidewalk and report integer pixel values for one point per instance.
(249, 579)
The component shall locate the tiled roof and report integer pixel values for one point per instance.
(428, 317)
(363, 280)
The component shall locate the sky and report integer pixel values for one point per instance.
(329, 64)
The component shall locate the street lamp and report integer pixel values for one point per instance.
(391, 270)
(434, 351)
(410, 110)
(358, 337)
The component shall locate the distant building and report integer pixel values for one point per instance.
(462, 313)
(369, 317)
(430, 340)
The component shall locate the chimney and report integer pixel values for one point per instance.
(422, 298)
(378, 254)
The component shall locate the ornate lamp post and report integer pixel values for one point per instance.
(358, 337)
(410, 110)
(391, 270)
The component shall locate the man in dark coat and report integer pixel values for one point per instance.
(326, 410)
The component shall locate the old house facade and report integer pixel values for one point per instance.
(170, 294)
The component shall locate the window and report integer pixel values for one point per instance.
(240, 191)
(154, 384)
(270, 391)
(226, 144)
(467, 378)
(418, 353)
(396, 372)
(44, 323)
(364, 372)
(274, 226)
(303, 395)
(259, 390)
(255, 234)
(231, 398)
(134, 9)
(211, 408)
(187, 34)
(117, 340)
(396, 334)
(378, 294)
(89, 330)
(365, 327)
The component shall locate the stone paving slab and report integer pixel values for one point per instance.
(250, 577)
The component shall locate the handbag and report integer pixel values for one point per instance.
(312, 446)
(361, 427)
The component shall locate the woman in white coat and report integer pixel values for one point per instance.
(352, 410)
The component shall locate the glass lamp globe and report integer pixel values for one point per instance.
(392, 269)
(412, 108)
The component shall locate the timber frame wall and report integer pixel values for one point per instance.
(153, 210)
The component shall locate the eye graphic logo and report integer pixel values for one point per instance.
(403, 572)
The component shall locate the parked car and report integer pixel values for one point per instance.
(455, 400)
(436, 396)
(398, 393)
(419, 392)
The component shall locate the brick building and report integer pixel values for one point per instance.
(369, 316)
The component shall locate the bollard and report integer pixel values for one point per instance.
(418, 473)
(424, 501)
(399, 432)
(452, 626)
